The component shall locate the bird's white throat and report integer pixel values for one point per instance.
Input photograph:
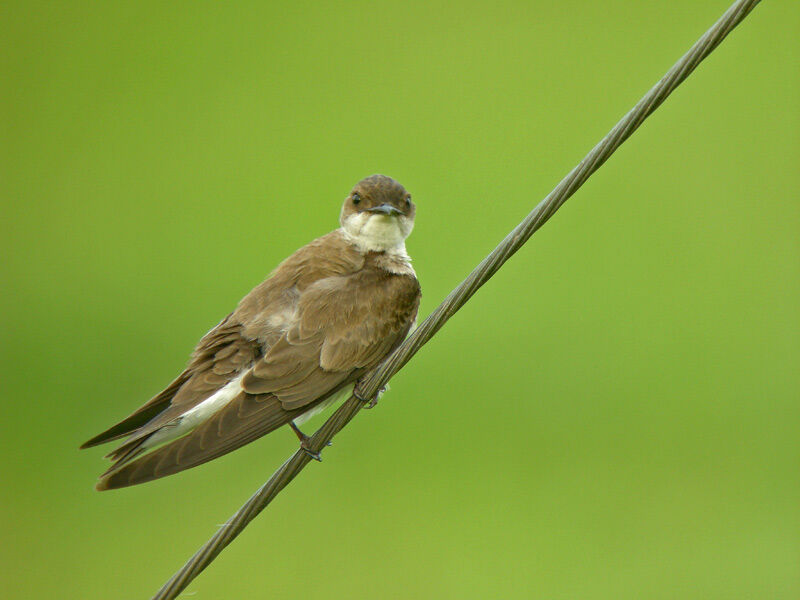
(378, 233)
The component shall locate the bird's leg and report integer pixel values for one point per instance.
(371, 402)
(304, 442)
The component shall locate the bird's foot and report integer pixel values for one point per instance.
(305, 442)
(305, 448)
(370, 402)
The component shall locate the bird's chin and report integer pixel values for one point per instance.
(376, 232)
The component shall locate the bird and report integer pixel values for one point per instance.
(294, 345)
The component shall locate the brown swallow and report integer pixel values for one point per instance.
(295, 344)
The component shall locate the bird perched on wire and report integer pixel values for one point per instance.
(295, 344)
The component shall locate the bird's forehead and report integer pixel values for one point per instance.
(380, 187)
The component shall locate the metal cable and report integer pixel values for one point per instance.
(378, 377)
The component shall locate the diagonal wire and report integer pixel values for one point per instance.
(378, 377)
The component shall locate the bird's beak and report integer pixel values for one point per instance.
(385, 209)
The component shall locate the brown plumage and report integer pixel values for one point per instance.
(325, 316)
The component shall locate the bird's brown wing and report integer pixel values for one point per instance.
(238, 340)
(338, 335)
(344, 325)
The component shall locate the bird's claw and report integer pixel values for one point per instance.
(314, 455)
(305, 447)
(357, 393)
(370, 402)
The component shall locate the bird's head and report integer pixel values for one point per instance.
(378, 215)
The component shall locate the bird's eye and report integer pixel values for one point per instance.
(356, 198)
(408, 201)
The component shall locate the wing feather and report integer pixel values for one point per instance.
(243, 420)
(345, 325)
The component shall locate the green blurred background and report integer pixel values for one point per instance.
(615, 415)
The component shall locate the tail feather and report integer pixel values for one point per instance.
(246, 418)
(142, 416)
(126, 452)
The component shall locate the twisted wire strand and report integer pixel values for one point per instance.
(378, 377)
